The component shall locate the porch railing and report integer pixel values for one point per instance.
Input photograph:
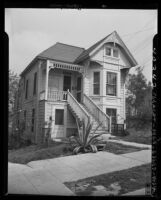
(54, 95)
(97, 112)
(78, 108)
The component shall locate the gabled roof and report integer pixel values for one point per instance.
(85, 53)
(117, 39)
(72, 54)
(62, 52)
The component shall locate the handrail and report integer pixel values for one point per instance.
(97, 112)
(81, 112)
(96, 106)
(57, 95)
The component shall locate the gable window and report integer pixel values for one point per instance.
(108, 51)
(33, 120)
(115, 53)
(112, 113)
(96, 83)
(111, 51)
(111, 84)
(26, 93)
(35, 81)
(59, 117)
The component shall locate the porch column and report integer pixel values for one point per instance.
(46, 81)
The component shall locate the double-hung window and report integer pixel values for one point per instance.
(35, 81)
(96, 83)
(25, 118)
(111, 84)
(26, 92)
(33, 120)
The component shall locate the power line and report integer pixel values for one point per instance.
(138, 32)
(143, 41)
(141, 29)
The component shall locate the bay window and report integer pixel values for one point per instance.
(111, 84)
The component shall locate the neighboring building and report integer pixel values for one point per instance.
(68, 82)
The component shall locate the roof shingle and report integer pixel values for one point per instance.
(62, 52)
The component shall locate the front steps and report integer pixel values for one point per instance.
(101, 129)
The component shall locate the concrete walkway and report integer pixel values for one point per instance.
(48, 176)
(131, 143)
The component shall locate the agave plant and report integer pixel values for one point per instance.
(85, 141)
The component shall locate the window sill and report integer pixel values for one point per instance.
(113, 97)
(111, 57)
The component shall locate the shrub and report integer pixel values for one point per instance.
(85, 142)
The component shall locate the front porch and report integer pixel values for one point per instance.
(57, 78)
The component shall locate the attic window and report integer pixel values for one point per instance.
(115, 53)
(108, 51)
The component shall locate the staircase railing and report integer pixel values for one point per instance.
(77, 108)
(99, 115)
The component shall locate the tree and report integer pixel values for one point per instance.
(13, 87)
(137, 90)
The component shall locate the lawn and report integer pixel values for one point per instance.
(39, 152)
(57, 149)
(115, 183)
(117, 148)
(139, 136)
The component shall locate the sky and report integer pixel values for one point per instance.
(31, 31)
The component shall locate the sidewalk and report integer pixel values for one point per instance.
(48, 176)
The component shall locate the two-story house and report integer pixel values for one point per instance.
(66, 82)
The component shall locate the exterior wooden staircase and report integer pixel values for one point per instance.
(88, 110)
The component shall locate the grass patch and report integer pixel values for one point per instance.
(57, 149)
(118, 148)
(39, 152)
(140, 131)
(139, 136)
(129, 180)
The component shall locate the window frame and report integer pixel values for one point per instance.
(112, 52)
(110, 84)
(26, 89)
(35, 83)
(25, 114)
(96, 83)
(33, 120)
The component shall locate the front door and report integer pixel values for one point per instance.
(79, 91)
(67, 83)
(58, 122)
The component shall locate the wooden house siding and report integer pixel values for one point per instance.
(52, 97)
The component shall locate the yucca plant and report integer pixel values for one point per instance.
(85, 141)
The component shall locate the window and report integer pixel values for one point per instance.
(111, 84)
(108, 51)
(112, 113)
(59, 117)
(115, 53)
(96, 83)
(33, 120)
(26, 94)
(35, 80)
(25, 118)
